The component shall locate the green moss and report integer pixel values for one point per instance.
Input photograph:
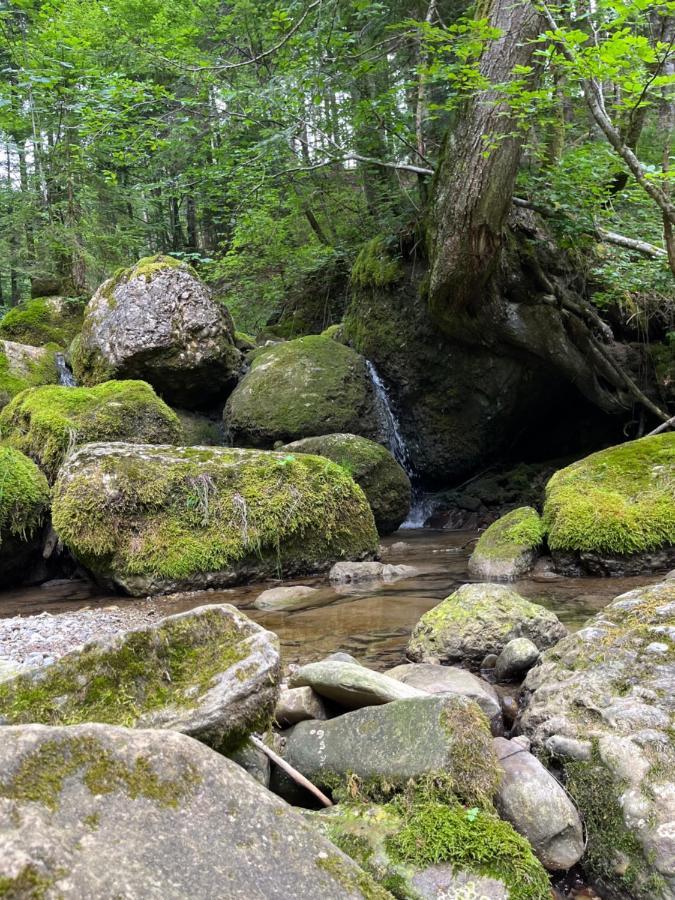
(375, 266)
(614, 855)
(352, 879)
(167, 666)
(46, 422)
(470, 840)
(29, 884)
(512, 534)
(620, 500)
(41, 775)
(203, 511)
(43, 321)
(26, 372)
(24, 495)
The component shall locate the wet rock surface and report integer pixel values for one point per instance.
(351, 686)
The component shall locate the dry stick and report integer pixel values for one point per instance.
(294, 774)
(664, 426)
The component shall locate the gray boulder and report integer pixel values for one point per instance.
(254, 761)
(603, 703)
(435, 679)
(351, 685)
(294, 596)
(537, 806)
(298, 704)
(509, 547)
(354, 572)
(516, 659)
(106, 812)
(158, 322)
(210, 673)
(479, 619)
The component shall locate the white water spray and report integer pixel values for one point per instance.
(66, 377)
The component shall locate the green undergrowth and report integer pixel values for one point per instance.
(620, 500)
(46, 320)
(41, 775)
(517, 531)
(24, 495)
(145, 670)
(375, 266)
(46, 422)
(174, 514)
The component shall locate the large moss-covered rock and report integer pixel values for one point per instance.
(430, 850)
(478, 619)
(168, 518)
(23, 366)
(379, 750)
(301, 388)
(24, 505)
(106, 812)
(372, 466)
(45, 320)
(508, 548)
(614, 512)
(157, 321)
(211, 673)
(602, 702)
(46, 423)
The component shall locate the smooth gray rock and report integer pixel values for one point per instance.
(9, 669)
(478, 619)
(110, 813)
(516, 659)
(354, 572)
(605, 705)
(352, 686)
(298, 704)
(435, 679)
(287, 597)
(535, 804)
(211, 673)
(253, 761)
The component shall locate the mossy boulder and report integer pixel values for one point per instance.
(101, 811)
(602, 704)
(302, 388)
(422, 848)
(23, 366)
(157, 321)
(382, 479)
(613, 512)
(211, 673)
(478, 619)
(24, 506)
(46, 423)
(508, 548)
(439, 742)
(44, 320)
(150, 519)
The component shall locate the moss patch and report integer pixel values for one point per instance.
(24, 495)
(46, 422)
(375, 266)
(620, 500)
(512, 534)
(43, 321)
(350, 878)
(29, 883)
(19, 374)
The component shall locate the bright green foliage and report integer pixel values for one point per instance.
(620, 500)
(375, 265)
(180, 513)
(517, 531)
(47, 320)
(24, 495)
(47, 422)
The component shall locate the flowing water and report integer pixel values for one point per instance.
(66, 377)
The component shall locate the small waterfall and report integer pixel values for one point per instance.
(66, 377)
(394, 440)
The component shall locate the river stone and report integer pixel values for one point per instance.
(298, 704)
(353, 572)
(352, 686)
(508, 548)
(158, 322)
(479, 619)
(389, 745)
(254, 761)
(604, 703)
(516, 658)
(211, 673)
(101, 811)
(535, 804)
(295, 596)
(435, 679)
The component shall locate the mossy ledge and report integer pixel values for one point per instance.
(519, 530)
(46, 422)
(24, 495)
(23, 366)
(165, 518)
(376, 266)
(46, 320)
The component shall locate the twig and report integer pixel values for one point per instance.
(664, 426)
(289, 770)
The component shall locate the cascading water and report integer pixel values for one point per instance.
(66, 377)
(393, 438)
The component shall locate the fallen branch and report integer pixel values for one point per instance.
(664, 426)
(289, 770)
